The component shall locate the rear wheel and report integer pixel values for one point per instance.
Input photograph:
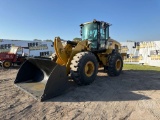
(19, 63)
(115, 64)
(84, 68)
(6, 64)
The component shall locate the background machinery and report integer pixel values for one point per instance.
(11, 57)
(45, 79)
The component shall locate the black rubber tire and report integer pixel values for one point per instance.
(19, 63)
(6, 62)
(111, 70)
(78, 68)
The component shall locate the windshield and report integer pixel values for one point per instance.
(13, 49)
(89, 31)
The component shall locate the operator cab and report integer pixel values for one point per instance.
(97, 33)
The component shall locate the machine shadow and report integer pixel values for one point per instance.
(125, 87)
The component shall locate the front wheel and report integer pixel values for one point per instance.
(6, 64)
(115, 64)
(84, 68)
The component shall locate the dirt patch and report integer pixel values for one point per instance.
(132, 95)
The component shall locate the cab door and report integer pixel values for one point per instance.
(104, 36)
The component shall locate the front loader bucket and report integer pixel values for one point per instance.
(41, 78)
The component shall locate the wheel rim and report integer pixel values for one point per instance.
(7, 64)
(118, 64)
(89, 68)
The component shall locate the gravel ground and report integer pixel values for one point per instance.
(132, 95)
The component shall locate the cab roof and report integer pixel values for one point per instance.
(95, 21)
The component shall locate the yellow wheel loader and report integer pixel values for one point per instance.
(45, 79)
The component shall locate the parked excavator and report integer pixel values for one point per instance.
(45, 79)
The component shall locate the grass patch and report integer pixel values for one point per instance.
(140, 67)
